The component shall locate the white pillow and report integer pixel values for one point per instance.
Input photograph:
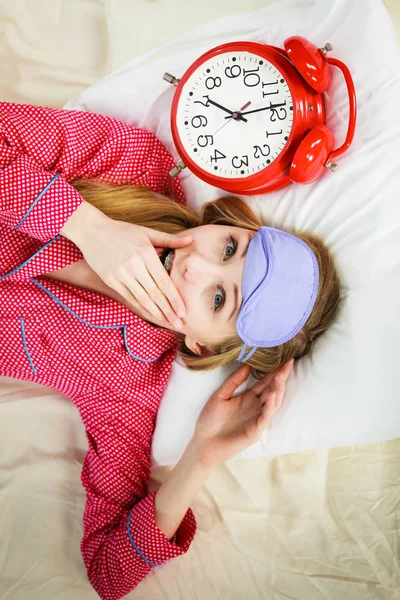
(348, 391)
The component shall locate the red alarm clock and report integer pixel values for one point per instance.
(250, 118)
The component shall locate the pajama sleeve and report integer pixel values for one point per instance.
(42, 149)
(121, 542)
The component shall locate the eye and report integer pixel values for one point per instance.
(218, 297)
(217, 300)
(230, 248)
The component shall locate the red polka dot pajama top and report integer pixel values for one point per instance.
(109, 362)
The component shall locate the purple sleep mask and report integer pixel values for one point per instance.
(279, 288)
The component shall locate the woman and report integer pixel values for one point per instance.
(84, 301)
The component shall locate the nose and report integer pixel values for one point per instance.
(197, 266)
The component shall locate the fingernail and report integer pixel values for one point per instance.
(177, 324)
(181, 313)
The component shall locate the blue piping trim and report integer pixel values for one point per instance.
(136, 548)
(21, 320)
(29, 259)
(146, 360)
(123, 327)
(32, 206)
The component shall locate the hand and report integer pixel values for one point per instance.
(235, 116)
(228, 424)
(249, 112)
(124, 257)
(231, 112)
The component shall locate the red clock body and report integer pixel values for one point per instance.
(250, 118)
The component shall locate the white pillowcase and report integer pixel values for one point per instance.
(348, 391)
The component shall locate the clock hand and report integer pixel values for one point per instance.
(238, 114)
(248, 112)
(231, 112)
(233, 116)
(222, 126)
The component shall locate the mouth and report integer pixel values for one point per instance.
(167, 258)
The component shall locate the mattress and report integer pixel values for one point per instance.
(314, 525)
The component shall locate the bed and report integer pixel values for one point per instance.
(312, 525)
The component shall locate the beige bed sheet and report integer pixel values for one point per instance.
(312, 526)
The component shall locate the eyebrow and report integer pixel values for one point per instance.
(235, 287)
(247, 246)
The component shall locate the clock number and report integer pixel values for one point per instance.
(258, 151)
(230, 73)
(244, 161)
(270, 93)
(203, 145)
(200, 102)
(199, 122)
(251, 77)
(215, 157)
(267, 133)
(274, 112)
(212, 82)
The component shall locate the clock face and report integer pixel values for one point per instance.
(235, 114)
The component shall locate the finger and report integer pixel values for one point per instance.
(272, 401)
(268, 404)
(168, 240)
(274, 397)
(137, 296)
(123, 291)
(231, 383)
(174, 303)
(284, 371)
(280, 391)
(142, 311)
(263, 383)
(267, 380)
(153, 295)
(288, 365)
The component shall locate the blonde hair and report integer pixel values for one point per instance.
(144, 207)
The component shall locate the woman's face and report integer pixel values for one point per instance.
(208, 275)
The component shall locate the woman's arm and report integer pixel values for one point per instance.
(176, 495)
(127, 531)
(121, 540)
(41, 149)
(226, 425)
